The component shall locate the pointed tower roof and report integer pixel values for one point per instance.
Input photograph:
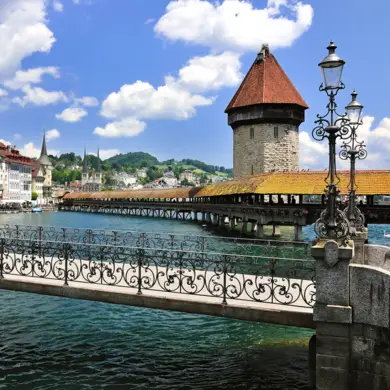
(98, 162)
(266, 83)
(44, 158)
(85, 163)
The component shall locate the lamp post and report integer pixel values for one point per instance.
(332, 222)
(353, 150)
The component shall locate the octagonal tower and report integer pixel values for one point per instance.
(265, 114)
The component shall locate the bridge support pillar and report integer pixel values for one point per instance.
(232, 223)
(203, 216)
(244, 227)
(215, 219)
(253, 228)
(297, 232)
(333, 315)
(260, 231)
(221, 221)
(208, 217)
(195, 216)
(276, 231)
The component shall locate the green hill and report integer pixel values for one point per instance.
(132, 159)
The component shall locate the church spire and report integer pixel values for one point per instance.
(85, 163)
(44, 158)
(98, 162)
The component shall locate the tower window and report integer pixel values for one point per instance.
(252, 169)
(252, 133)
(276, 132)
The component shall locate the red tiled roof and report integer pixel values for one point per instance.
(14, 155)
(266, 83)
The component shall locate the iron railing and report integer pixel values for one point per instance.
(185, 242)
(273, 280)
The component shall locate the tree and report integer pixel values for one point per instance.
(185, 182)
(34, 195)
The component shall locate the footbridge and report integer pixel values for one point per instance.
(257, 280)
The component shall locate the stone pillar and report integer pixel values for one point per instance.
(297, 232)
(244, 228)
(260, 231)
(359, 239)
(232, 223)
(221, 222)
(195, 215)
(253, 228)
(215, 219)
(276, 231)
(203, 216)
(332, 314)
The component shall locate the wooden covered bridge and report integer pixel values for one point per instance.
(276, 198)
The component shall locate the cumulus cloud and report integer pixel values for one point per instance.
(211, 72)
(141, 99)
(23, 78)
(30, 150)
(127, 127)
(39, 97)
(58, 6)
(23, 32)
(3, 92)
(87, 101)
(72, 114)
(52, 134)
(235, 24)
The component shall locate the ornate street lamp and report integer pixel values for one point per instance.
(332, 222)
(352, 150)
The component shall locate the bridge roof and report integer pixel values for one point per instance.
(299, 183)
(146, 193)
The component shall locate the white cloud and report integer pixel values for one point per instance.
(3, 92)
(23, 78)
(104, 154)
(58, 6)
(52, 134)
(127, 127)
(40, 97)
(17, 137)
(312, 154)
(30, 150)
(23, 31)
(150, 20)
(211, 72)
(144, 101)
(72, 114)
(87, 101)
(235, 24)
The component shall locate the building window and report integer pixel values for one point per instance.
(252, 133)
(276, 132)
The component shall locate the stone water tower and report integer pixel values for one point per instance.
(265, 114)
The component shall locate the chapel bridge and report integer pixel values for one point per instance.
(275, 199)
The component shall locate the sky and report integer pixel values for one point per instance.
(156, 76)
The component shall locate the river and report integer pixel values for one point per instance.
(56, 343)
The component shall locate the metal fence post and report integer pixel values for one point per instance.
(66, 258)
(2, 259)
(224, 280)
(140, 255)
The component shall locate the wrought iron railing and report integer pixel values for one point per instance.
(186, 242)
(272, 280)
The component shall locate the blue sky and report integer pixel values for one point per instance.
(156, 76)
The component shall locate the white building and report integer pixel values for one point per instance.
(170, 179)
(142, 172)
(124, 179)
(187, 175)
(15, 175)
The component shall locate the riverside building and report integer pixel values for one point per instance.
(91, 182)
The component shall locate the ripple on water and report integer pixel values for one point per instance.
(54, 343)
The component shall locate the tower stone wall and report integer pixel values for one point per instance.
(265, 114)
(265, 147)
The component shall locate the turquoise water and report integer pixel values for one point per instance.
(54, 343)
